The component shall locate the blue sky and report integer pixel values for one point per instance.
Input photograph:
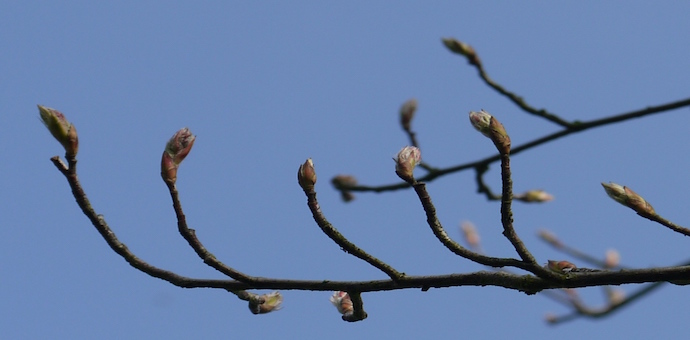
(266, 85)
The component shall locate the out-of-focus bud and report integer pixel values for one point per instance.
(490, 127)
(470, 233)
(405, 161)
(550, 238)
(342, 183)
(571, 293)
(306, 175)
(463, 49)
(61, 129)
(628, 198)
(612, 258)
(550, 318)
(341, 300)
(616, 297)
(536, 196)
(266, 303)
(176, 150)
(407, 111)
(560, 266)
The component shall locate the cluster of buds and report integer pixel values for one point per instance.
(405, 161)
(342, 183)
(490, 127)
(341, 300)
(628, 198)
(61, 129)
(265, 303)
(407, 111)
(560, 266)
(534, 196)
(463, 49)
(306, 175)
(176, 150)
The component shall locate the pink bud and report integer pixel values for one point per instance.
(616, 297)
(341, 300)
(470, 233)
(612, 258)
(560, 266)
(177, 148)
(407, 159)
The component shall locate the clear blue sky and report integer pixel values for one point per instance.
(266, 85)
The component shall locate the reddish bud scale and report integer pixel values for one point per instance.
(628, 198)
(490, 127)
(177, 148)
(306, 175)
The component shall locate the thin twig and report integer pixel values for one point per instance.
(480, 170)
(340, 240)
(519, 101)
(667, 223)
(441, 235)
(507, 213)
(575, 128)
(109, 236)
(190, 236)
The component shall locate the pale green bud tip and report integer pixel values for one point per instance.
(490, 127)
(615, 191)
(463, 49)
(628, 198)
(306, 175)
(458, 47)
(481, 121)
(60, 128)
(266, 303)
(405, 162)
(536, 196)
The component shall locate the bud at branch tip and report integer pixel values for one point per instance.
(490, 127)
(405, 161)
(61, 129)
(628, 198)
(306, 175)
(177, 148)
